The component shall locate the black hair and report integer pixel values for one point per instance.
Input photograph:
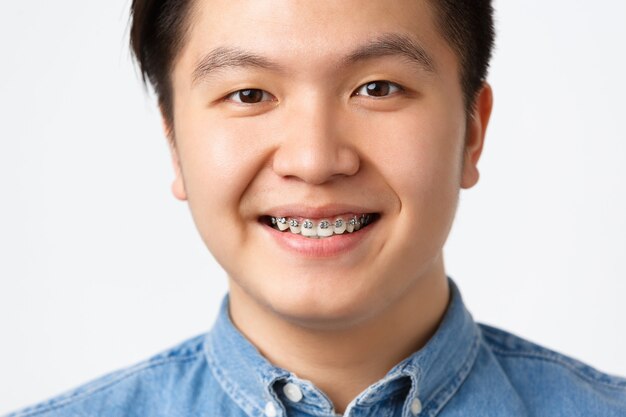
(468, 26)
(159, 28)
(158, 33)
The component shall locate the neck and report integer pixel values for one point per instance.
(343, 363)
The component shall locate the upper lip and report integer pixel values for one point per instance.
(318, 212)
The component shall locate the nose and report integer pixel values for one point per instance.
(316, 147)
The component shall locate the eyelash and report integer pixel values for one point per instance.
(235, 96)
(392, 88)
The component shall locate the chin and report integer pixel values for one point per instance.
(324, 308)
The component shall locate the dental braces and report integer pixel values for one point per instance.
(323, 228)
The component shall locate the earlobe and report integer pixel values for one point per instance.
(178, 185)
(476, 129)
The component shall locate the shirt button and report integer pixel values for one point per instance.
(270, 409)
(293, 392)
(416, 406)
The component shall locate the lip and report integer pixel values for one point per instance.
(330, 247)
(321, 212)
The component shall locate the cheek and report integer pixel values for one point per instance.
(221, 157)
(418, 153)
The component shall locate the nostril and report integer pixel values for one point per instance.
(316, 161)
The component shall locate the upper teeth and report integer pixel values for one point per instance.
(321, 228)
(281, 222)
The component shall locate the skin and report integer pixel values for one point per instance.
(339, 321)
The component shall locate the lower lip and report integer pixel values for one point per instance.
(320, 248)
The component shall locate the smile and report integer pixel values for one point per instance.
(322, 228)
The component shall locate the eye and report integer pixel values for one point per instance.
(250, 96)
(378, 89)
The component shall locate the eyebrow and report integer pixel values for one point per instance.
(388, 44)
(223, 57)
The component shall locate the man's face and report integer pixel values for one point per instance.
(341, 114)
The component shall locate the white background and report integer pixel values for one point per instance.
(100, 267)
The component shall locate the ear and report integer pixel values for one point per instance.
(476, 129)
(178, 185)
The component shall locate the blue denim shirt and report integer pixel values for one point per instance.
(465, 369)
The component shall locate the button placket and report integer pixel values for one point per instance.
(293, 392)
(416, 406)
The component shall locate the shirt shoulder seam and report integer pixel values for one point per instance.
(540, 353)
(618, 385)
(77, 394)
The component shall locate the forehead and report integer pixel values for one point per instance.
(306, 32)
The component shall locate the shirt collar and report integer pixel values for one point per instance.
(428, 377)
